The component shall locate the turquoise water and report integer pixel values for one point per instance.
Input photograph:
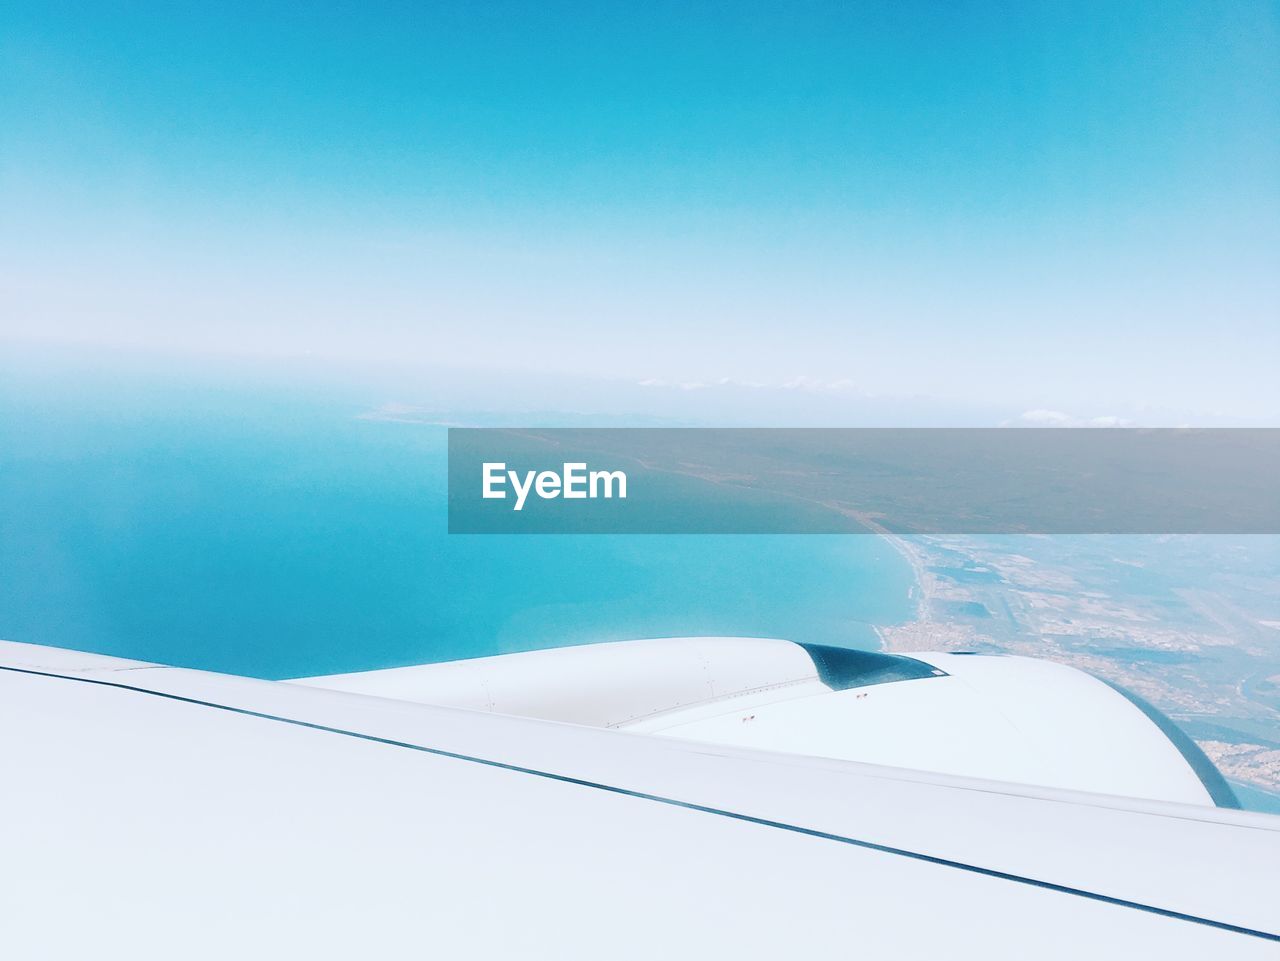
(279, 536)
(1256, 799)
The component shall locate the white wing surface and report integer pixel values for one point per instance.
(155, 812)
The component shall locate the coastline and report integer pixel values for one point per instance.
(920, 632)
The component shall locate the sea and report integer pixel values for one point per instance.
(283, 533)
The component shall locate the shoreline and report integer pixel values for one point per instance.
(923, 588)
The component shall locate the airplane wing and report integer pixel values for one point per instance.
(692, 810)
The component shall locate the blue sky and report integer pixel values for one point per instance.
(1070, 207)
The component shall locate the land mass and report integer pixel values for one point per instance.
(1187, 623)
